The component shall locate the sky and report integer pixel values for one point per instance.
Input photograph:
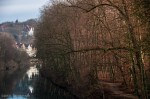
(11, 10)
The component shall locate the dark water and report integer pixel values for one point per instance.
(24, 88)
(30, 85)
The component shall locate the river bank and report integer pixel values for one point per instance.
(8, 81)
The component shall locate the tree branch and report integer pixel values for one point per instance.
(100, 5)
(100, 49)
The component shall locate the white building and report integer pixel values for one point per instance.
(23, 47)
(31, 51)
(31, 31)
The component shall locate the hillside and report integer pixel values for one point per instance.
(21, 31)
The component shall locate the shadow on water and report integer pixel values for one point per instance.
(46, 90)
(29, 85)
(19, 87)
(24, 88)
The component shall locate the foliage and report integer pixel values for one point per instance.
(9, 53)
(83, 41)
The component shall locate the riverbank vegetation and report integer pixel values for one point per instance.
(85, 42)
(13, 61)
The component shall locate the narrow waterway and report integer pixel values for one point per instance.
(25, 86)
(22, 87)
(28, 84)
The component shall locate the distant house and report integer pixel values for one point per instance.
(27, 48)
(31, 31)
(28, 30)
(31, 51)
(23, 47)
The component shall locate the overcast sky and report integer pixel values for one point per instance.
(10, 10)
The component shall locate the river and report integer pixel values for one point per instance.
(30, 85)
(24, 87)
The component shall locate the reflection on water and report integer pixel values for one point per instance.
(33, 86)
(31, 89)
(18, 97)
(25, 87)
(32, 71)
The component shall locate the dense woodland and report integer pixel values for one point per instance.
(84, 42)
(12, 35)
(12, 60)
(10, 56)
